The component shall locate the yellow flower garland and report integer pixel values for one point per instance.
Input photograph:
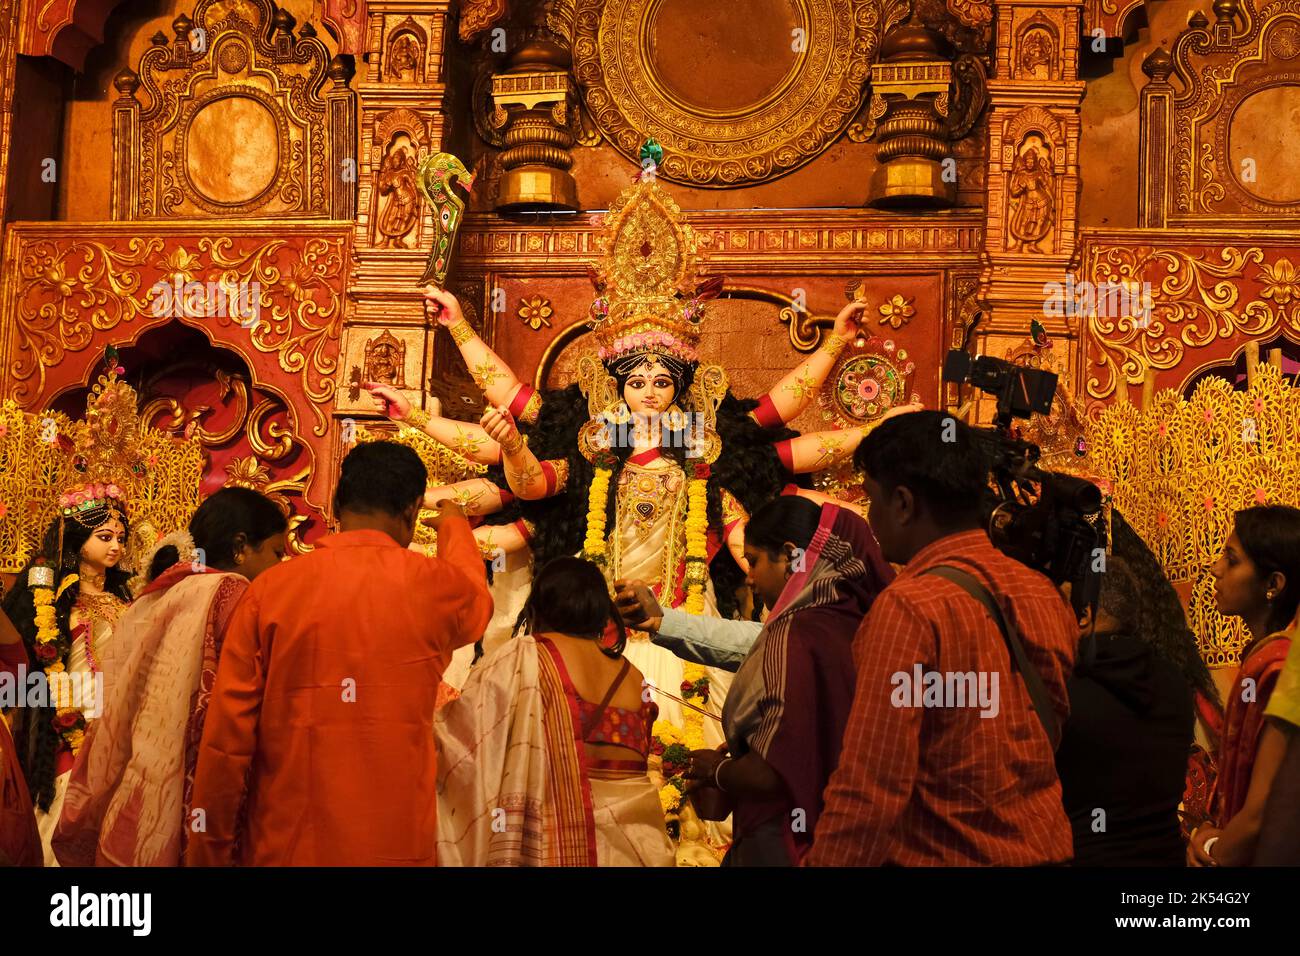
(47, 632)
(671, 794)
(597, 500)
(670, 799)
(697, 543)
(693, 732)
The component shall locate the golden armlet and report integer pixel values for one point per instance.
(834, 344)
(461, 332)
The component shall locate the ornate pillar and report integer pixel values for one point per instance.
(124, 203)
(1033, 175)
(1155, 139)
(402, 89)
(8, 64)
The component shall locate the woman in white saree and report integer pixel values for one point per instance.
(543, 756)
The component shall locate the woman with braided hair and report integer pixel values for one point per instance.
(1131, 705)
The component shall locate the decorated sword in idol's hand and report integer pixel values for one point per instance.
(438, 174)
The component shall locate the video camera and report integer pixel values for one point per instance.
(1020, 390)
(1048, 521)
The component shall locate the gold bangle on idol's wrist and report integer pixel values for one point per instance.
(461, 332)
(416, 418)
(834, 344)
(514, 445)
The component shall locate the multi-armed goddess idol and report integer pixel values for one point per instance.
(647, 465)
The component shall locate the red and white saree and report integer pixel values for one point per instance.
(515, 785)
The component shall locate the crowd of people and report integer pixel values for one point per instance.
(904, 694)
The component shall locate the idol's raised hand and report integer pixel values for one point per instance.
(442, 305)
(389, 402)
(849, 320)
(500, 426)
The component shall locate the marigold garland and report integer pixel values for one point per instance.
(697, 540)
(674, 744)
(670, 798)
(597, 500)
(69, 722)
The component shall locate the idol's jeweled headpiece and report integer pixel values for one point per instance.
(649, 298)
(106, 447)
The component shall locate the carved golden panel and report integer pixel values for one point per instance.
(388, 356)
(232, 117)
(68, 284)
(1216, 117)
(225, 170)
(1203, 292)
(740, 241)
(724, 115)
(1260, 140)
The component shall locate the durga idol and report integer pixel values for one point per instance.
(647, 465)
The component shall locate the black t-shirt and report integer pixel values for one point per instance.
(1123, 755)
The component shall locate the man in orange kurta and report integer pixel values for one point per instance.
(318, 748)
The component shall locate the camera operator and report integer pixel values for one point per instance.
(936, 777)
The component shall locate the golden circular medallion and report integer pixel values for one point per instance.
(730, 107)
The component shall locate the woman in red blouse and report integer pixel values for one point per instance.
(1257, 579)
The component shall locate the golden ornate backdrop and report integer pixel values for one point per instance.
(950, 160)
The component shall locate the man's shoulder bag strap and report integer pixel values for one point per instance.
(1033, 682)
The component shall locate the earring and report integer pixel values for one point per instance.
(1269, 595)
(239, 559)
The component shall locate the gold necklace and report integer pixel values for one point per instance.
(96, 581)
(99, 607)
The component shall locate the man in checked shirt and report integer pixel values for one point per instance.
(940, 781)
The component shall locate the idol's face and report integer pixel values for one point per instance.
(261, 556)
(1238, 590)
(104, 548)
(649, 389)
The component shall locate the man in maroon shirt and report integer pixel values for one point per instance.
(944, 761)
